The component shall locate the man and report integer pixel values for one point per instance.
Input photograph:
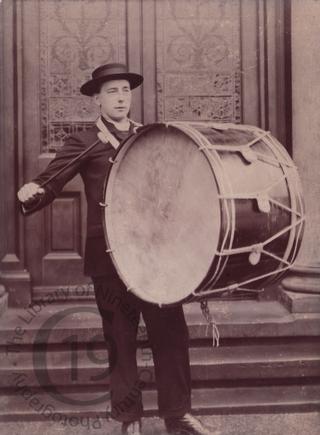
(110, 87)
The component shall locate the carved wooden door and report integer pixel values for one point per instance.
(62, 42)
(223, 60)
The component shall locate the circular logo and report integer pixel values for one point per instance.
(41, 352)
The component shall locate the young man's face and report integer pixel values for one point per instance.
(114, 99)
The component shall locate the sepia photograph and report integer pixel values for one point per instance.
(160, 217)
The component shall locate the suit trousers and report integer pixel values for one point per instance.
(168, 338)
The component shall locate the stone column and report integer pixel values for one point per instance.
(305, 276)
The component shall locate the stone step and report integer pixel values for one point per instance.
(64, 293)
(55, 323)
(79, 365)
(293, 423)
(85, 291)
(267, 359)
(32, 404)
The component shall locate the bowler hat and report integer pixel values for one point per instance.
(110, 71)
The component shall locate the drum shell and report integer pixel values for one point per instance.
(250, 225)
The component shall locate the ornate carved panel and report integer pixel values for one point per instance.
(75, 37)
(198, 60)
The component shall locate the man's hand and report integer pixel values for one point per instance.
(29, 192)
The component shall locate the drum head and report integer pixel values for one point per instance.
(163, 220)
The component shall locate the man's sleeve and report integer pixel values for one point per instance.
(71, 149)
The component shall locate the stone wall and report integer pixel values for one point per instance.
(306, 118)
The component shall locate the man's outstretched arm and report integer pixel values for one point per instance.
(32, 196)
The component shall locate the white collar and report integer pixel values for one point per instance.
(108, 136)
(121, 126)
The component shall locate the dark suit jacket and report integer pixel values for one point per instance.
(93, 168)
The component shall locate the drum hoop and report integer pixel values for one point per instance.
(105, 204)
(107, 197)
(296, 203)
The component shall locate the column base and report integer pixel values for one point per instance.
(300, 302)
(300, 290)
(17, 283)
(3, 300)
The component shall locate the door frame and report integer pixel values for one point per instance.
(266, 59)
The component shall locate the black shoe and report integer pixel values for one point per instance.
(132, 428)
(186, 425)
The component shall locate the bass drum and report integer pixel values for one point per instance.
(201, 210)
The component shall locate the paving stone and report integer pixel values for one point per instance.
(250, 424)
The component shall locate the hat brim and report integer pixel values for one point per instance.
(92, 86)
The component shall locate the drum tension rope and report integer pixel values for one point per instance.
(210, 322)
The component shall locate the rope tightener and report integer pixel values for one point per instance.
(210, 322)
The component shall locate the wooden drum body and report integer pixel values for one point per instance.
(195, 210)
